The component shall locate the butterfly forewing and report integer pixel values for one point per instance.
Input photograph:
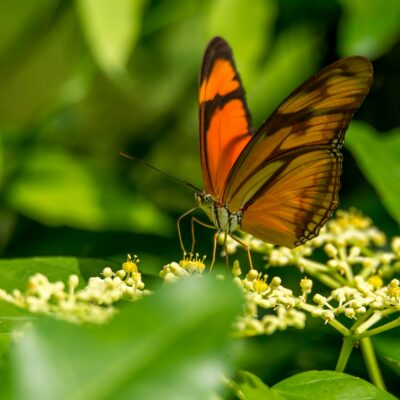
(286, 179)
(225, 126)
(316, 114)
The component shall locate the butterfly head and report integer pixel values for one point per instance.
(219, 214)
(203, 200)
(206, 202)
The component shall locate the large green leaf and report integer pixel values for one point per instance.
(368, 28)
(14, 274)
(321, 385)
(250, 387)
(172, 345)
(378, 157)
(111, 29)
(328, 385)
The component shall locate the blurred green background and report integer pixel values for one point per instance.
(81, 80)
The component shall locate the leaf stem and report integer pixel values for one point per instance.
(361, 319)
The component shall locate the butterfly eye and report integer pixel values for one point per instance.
(208, 199)
(203, 199)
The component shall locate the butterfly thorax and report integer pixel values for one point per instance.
(218, 214)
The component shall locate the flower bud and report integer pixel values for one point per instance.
(331, 250)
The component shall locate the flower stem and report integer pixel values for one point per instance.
(372, 365)
(340, 327)
(345, 352)
(390, 325)
(361, 319)
(347, 271)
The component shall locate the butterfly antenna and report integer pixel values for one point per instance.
(174, 178)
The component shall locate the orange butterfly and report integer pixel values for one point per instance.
(279, 184)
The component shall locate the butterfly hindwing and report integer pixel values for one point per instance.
(225, 126)
(297, 199)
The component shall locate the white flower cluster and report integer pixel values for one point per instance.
(357, 264)
(364, 299)
(190, 264)
(359, 272)
(350, 237)
(355, 269)
(93, 303)
(268, 305)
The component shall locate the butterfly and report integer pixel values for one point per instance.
(281, 182)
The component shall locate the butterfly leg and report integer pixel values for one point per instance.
(226, 252)
(214, 248)
(194, 219)
(178, 225)
(246, 247)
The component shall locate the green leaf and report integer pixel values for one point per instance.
(56, 190)
(368, 28)
(45, 55)
(378, 157)
(308, 385)
(171, 345)
(250, 387)
(111, 29)
(14, 273)
(328, 385)
(5, 370)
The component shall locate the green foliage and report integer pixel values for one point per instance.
(111, 30)
(81, 81)
(368, 27)
(56, 190)
(378, 157)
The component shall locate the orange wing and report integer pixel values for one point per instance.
(225, 126)
(297, 199)
(286, 180)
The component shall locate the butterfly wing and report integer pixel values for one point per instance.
(297, 199)
(286, 180)
(225, 126)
